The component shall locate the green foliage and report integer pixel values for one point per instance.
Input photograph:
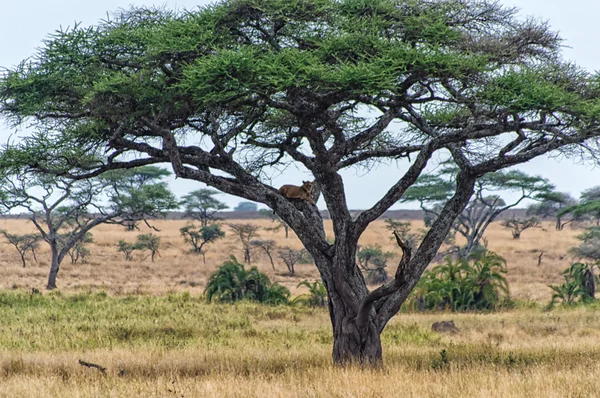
(198, 237)
(232, 282)
(202, 205)
(127, 249)
(578, 286)
(149, 242)
(79, 252)
(23, 243)
(473, 283)
(590, 245)
(316, 297)
(373, 261)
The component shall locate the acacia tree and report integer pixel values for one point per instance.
(232, 93)
(23, 243)
(245, 232)
(434, 190)
(140, 194)
(201, 205)
(198, 237)
(552, 204)
(64, 210)
(518, 225)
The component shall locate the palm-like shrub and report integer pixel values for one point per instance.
(232, 282)
(579, 285)
(473, 283)
(316, 297)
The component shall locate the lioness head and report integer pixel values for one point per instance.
(307, 186)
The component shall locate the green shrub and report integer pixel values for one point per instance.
(232, 282)
(316, 297)
(372, 260)
(579, 285)
(474, 283)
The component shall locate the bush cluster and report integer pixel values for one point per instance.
(473, 283)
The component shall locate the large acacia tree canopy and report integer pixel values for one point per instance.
(255, 78)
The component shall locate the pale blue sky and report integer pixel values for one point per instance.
(24, 24)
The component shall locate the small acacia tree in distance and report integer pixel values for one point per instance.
(518, 225)
(233, 93)
(149, 242)
(433, 190)
(80, 251)
(201, 205)
(290, 258)
(23, 243)
(140, 194)
(199, 237)
(266, 245)
(245, 232)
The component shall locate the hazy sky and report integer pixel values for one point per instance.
(24, 24)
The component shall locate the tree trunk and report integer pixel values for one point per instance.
(53, 268)
(345, 289)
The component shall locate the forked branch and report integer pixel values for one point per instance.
(362, 319)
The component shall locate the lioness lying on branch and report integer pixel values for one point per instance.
(298, 192)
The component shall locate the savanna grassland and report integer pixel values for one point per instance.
(149, 326)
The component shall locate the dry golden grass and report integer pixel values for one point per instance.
(179, 270)
(177, 345)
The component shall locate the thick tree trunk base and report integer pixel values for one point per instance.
(349, 349)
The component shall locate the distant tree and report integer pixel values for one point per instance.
(518, 225)
(199, 237)
(245, 232)
(140, 194)
(275, 218)
(551, 204)
(64, 210)
(290, 257)
(149, 242)
(201, 205)
(404, 229)
(589, 248)
(127, 248)
(23, 243)
(372, 260)
(80, 251)
(431, 191)
(267, 246)
(246, 206)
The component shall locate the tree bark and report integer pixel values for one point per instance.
(346, 288)
(54, 267)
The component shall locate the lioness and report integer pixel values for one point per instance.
(296, 192)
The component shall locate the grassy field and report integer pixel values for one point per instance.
(177, 345)
(149, 326)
